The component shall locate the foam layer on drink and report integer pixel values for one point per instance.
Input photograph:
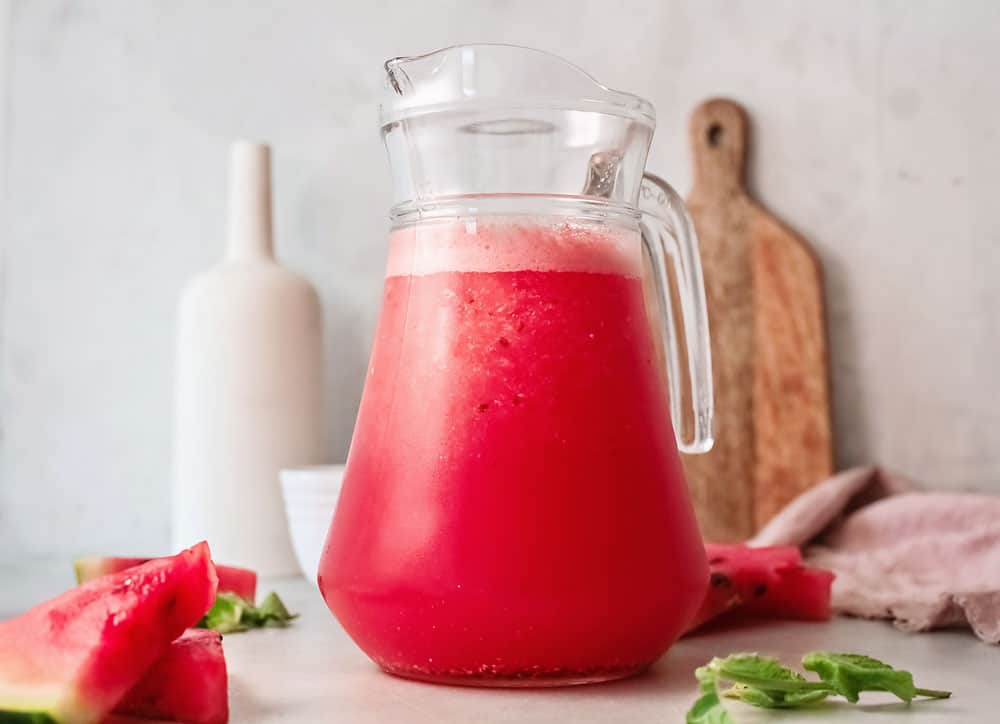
(503, 244)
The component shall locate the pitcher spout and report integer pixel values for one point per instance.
(502, 119)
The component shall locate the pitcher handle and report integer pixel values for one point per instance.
(667, 230)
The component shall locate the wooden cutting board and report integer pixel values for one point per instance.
(770, 365)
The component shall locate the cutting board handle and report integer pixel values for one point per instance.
(720, 135)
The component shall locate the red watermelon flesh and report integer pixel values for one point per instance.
(188, 684)
(797, 593)
(71, 659)
(763, 582)
(241, 581)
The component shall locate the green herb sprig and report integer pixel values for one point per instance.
(232, 614)
(766, 682)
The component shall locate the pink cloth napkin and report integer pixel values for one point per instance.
(923, 559)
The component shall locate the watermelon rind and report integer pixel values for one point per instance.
(87, 569)
(25, 711)
(26, 717)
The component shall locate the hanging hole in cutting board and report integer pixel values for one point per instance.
(714, 135)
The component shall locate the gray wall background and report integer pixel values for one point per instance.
(877, 132)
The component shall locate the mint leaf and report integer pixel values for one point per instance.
(761, 681)
(749, 668)
(706, 676)
(272, 608)
(232, 614)
(765, 682)
(226, 614)
(708, 708)
(850, 674)
(769, 699)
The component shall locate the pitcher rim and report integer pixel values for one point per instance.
(615, 102)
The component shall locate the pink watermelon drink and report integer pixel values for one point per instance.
(515, 446)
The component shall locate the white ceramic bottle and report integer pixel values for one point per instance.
(249, 386)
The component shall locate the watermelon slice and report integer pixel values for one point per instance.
(188, 684)
(241, 581)
(71, 659)
(763, 582)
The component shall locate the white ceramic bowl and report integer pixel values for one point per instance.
(310, 498)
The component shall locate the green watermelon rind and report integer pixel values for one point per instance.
(26, 717)
(87, 569)
(16, 708)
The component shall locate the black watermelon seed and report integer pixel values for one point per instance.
(717, 580)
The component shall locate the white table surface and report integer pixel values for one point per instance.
(313, 673)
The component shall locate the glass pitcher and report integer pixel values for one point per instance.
(514, 511)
